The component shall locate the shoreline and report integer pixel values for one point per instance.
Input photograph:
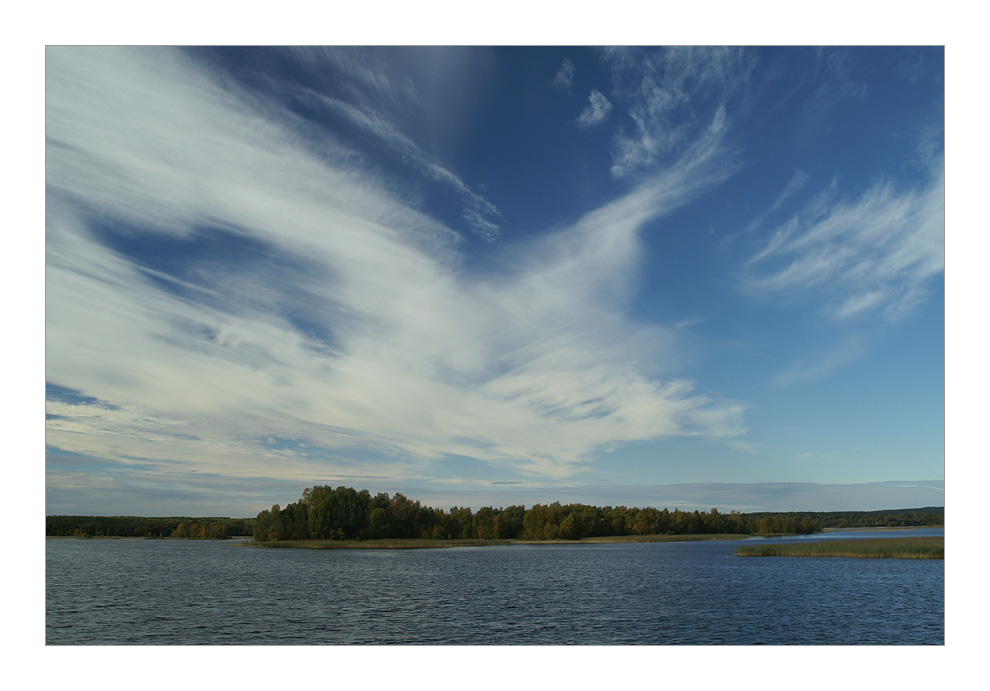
(419, 543)
(429, 543)
(880, 528)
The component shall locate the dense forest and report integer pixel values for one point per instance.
(142, 526)
(343, 513)
(325, 513)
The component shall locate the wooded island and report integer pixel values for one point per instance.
(325, 513)
(343, 513)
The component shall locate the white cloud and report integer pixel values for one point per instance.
(479, 210)
(597, 110)
(795, 185)
(873, 256)
(533, 368)
(565, 75)
(668, 92)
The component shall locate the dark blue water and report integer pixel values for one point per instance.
(206, 592)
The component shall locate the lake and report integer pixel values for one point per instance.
(179, 592)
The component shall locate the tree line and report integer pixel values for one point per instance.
(203, 528)
(343, 513)
(886, 518)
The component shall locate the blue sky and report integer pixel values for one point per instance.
(671, 277)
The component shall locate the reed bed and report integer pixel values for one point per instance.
(880, 548)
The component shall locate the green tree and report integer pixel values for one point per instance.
(484, 523)
(381, 523)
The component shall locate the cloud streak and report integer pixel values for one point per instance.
(213, 281)
(479, 211)
(873, 256)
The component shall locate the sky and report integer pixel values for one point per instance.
(685, 277)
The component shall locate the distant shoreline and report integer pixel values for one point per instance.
(239, 538)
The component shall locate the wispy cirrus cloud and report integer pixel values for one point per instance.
(479, 212)
(821, 360)
(392, 99)
(213, 282)
(796, 184)
(872, 256)
(668, 92)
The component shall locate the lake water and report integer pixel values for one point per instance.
(172, 592)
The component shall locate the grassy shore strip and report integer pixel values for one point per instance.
(883, 548)
(437, 544)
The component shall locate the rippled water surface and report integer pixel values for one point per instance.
(208, 592)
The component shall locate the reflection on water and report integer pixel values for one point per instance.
(205, 592)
